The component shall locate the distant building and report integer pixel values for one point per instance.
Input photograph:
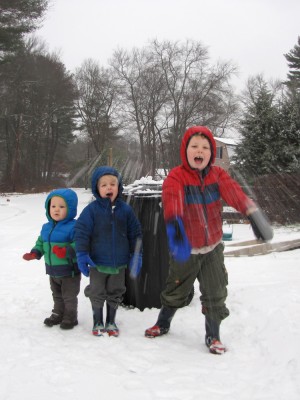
(225, 151)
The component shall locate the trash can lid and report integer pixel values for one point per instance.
(144, 187)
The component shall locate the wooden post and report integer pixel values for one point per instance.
(109, 162)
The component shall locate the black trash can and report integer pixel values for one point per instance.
(144, 292)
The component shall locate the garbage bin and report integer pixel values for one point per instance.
(144, 196)
(144, 292)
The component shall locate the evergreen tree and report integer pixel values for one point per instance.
(270, 130)
(290, 115)
(287, 145)
(253, 154)
(293, 60)
(18, 17)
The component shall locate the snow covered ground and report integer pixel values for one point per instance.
(262, 332)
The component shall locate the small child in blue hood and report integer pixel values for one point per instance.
(56, 244)
(108, 238)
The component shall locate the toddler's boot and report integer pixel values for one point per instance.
(110, 324)
(54, 319)
(163, 323)
(212, 336)
(69, 320)
(98, 327)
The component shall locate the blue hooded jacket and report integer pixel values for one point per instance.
(109, 233)
(59, 233)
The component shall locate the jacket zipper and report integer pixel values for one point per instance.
(113, 233)
(204, 206)
(49, 242)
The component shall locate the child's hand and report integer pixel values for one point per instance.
(30, 256)
(84, 262)
(60, 252)
(179, 245)
(135, 265)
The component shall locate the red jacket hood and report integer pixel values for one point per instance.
(185, 140)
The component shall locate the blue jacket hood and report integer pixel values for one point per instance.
(71, 199)
(101, 171)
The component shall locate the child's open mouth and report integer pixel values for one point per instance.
(109, 195)
(198, 160)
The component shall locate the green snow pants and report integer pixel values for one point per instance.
(210, 271)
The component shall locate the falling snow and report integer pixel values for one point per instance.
(262, 363)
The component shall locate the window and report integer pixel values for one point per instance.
(219, 152)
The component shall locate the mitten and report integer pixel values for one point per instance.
(84, 262)
(30, 256)
(60, 252)
(260, 225)
(135, 265)
(179, 245)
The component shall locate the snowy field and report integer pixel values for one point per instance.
(262, 332)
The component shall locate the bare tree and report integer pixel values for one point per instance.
(167, 86)
(144, 93)
(97, 100)
(198, 93)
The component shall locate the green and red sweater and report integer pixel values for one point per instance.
(61, 234)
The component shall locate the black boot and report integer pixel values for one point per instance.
(69, 320)
(98, 315)
(163, 323)
(110, 314)
(54, 319)
(165, 317)
(98, 326)
(110, 324)
(212, 329)
(212, 336)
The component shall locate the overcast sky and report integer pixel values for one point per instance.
(253, 34)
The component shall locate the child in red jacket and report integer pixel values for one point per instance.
(191, 197)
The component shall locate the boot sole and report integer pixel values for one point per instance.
(68, 326)
(98, 332)
(218, 351)
(113, 333)
(154, 335)
(50, 324)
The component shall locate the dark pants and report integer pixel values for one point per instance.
(64, 292)
(106, 287)
(210, 271)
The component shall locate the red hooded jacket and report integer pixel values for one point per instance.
(195, 196)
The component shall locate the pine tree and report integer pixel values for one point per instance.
(253, 154)
(270, 130)
(288, 142)
(293, 60)
(291, 110)
(17, 18)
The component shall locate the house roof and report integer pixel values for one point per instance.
(228, 141)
